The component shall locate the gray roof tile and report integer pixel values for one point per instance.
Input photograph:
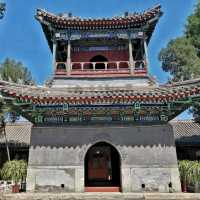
(17, 134)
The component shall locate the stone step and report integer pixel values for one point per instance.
(100, 196)
(102, 189)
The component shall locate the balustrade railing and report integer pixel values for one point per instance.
(139, 65)
(99, 66)
(61, 66)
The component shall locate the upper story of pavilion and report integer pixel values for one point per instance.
(107, 47)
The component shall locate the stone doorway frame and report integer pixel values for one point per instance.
(117, 188)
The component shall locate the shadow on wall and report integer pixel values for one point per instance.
(189, 140)
(158, 135)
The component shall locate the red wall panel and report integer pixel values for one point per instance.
(110, 55)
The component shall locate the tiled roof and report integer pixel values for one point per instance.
(146, 20)
(133, 20)
(46, 95)
(186, 132)
(185, 128)
(18, 134)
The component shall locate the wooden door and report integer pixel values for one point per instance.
(99, 164)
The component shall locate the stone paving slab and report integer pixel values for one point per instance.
(100, 196)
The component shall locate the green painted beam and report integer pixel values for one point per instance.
(188, 101)
(22, 103)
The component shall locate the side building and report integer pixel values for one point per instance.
(18, 136)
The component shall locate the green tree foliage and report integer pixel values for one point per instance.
(14, 170)
(196, 111)
(189, 172)
(2, 9)
(181, 56)
(11, 70)
(180, 59)
(193, 27)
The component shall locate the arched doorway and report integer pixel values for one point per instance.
(102, 168)
(99, 58)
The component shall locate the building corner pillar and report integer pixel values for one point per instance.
(54, 56)
(68, 57)
(131, 60)
(146, 55)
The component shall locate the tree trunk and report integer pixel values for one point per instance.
(6, 141)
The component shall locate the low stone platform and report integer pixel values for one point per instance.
(100, 196)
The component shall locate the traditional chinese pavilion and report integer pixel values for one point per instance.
(101, 123)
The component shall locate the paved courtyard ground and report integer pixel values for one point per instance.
(98, 196)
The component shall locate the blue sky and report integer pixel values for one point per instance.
(21, 36)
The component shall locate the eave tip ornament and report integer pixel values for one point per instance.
(2, 10)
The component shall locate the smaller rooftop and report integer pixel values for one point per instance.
(186, 132)
(18, 134)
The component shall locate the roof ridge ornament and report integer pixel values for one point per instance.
(152, 11)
